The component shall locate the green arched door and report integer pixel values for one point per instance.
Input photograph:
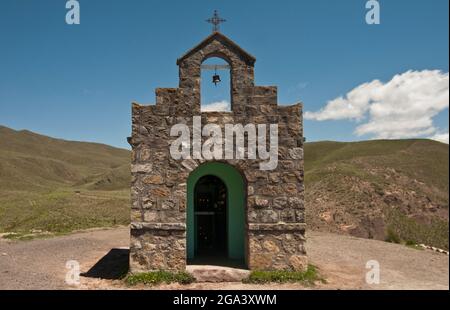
(235, 209)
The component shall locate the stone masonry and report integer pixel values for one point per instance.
(275, 213)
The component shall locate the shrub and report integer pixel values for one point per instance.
(403, 229)
(308, 277)
(158, 277)
(391, 236)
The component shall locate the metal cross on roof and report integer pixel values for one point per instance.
(216, 21)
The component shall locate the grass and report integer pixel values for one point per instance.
(308, 277)
(62, 210)
(423, 160)
(58, 186)
(405, 230)
(319, 154)
(414, 246)
(392, 236)
(158, 277)
(25, 237)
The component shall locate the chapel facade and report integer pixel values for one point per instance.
(195, 209)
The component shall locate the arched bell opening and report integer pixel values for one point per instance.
(215, 95)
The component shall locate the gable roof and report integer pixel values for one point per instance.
(217, 35)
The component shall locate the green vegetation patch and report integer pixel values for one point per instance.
(308, 277)
(405, 230)
(30, 236)
(61, 211)
(50, 186)
(158, 277)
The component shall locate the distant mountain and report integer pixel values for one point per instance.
(56, 185)
(394, 190)
(34, 161)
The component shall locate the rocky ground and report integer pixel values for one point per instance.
(41, 263)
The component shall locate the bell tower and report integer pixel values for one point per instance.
(241, 65)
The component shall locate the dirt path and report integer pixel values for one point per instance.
(343, 259)
(40, 264)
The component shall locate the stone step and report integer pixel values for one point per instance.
(209, 273)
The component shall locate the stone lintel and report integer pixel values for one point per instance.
(277, 227)
(159, 226)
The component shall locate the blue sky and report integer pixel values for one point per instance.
(77, 81)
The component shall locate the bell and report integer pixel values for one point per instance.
(216, 79)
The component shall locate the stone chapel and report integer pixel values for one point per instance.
(191, 210)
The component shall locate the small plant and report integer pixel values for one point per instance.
(308, 277)
(413, 245)
(410, 243)
(392, 236)
(158, 277)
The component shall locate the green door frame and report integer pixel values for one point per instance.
(234, 182)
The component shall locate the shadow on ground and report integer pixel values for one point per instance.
(112, 266)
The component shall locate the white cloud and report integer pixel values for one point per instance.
(220, 106)
(404, 107)
(353, 106)
(441, 137)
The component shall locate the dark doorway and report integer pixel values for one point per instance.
(210, 209)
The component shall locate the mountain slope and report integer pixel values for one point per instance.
(393, 190)
(55, 185)
(32, 160)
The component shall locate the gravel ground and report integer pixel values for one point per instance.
(41, 263)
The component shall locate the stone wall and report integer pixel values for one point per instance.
(275, 199)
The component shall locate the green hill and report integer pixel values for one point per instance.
(394, 190)
(58, 186)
